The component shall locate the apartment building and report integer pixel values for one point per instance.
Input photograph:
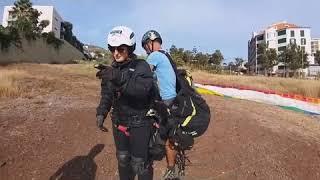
(47, 13)
(278, 36)
(315, 45)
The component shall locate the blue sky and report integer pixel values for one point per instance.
(206, 24)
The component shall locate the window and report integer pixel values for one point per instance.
(282, 48)
(283, 40)
(293, 41)
(281, 67)
(303, 41)
(10, 15)
(292, 33)
(302, 33)
(303, 48)
(282, 32)
(260, 38)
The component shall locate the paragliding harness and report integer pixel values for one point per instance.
(157, 149)
(191, 113)
(134, 121)
(156, 144)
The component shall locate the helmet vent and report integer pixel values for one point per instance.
(131, 35)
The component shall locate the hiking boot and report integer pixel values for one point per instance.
(171, 174)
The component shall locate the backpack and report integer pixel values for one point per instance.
(188, 108)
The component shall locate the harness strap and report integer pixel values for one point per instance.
(123, 129)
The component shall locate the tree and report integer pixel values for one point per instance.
(298, 58)
(216, 58)
(262, 56)
(194, 50)
(272, 59)
(202, 59)
(239, 62)
(67, 31)
(317, 57)
(294, 57)
(9, 36)
(43, 24)
(187, 56)
(267, 58)
(284, 58)
(26, 19)
(177, 55)
(232, 66)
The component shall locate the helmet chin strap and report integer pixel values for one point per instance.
(151, 46)
(150, 50)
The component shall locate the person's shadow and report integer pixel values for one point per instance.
(80, 167)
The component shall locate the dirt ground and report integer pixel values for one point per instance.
(49, 132)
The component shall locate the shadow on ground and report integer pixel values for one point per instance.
(80, 167)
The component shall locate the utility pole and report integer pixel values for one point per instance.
(256, 61)
(301, 61)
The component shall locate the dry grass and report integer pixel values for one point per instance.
(85, 69)
(9, 86)
(31, 80)
(309, 88)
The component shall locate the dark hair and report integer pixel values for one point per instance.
(132, 56)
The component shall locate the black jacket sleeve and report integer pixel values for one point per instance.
(140, 83)
(106, 100)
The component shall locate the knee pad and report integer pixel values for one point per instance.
(123, 158)
(139, 166)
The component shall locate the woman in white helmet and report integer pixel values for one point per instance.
(126, 86)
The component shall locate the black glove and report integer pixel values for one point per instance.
(162, 110)
(100, 121)
(108, 73)
(114, 75)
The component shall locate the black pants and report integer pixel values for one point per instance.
(132, 153)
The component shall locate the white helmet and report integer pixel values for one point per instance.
(122, 35)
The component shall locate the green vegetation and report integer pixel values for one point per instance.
(294, 58)
(69, 37)
(267, 58)
(317, 57)
(197, 60)
(25, 24)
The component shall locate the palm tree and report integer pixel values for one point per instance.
(26, 18)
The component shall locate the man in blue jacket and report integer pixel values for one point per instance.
(166, 78)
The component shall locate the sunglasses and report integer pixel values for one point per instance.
(120, 49)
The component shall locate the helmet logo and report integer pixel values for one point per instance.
(152, 35)
(116, 32)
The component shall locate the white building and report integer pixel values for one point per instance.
(315, 45)
(47, 13)
(278, 36)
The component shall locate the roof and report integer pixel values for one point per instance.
(284, 25)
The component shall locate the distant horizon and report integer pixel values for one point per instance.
(209, 25)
